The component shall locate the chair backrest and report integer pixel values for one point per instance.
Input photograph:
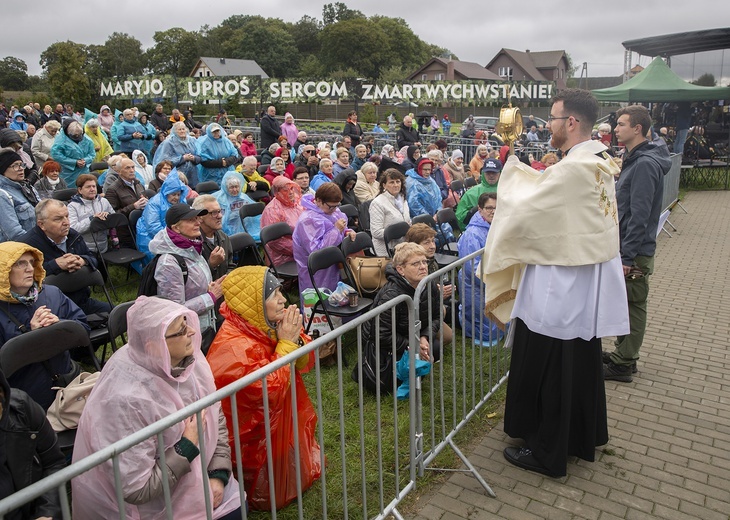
(469, 182)
(424, 219)
(350, 211)
(64, 195)
(457, 187)
(447, 216)
(322, 259)
(258, 195)
(98, 166)
(362, 242)
(42, 344)
(113, 220)
(251, 210)
(365, 215)
(207, 187)
(242, 243)
(394, 232)
(134, 216)
(275, 231)
(149, 193)
(117, 323)
(262, 169)
(73, 281)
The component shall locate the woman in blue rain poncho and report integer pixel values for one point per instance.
(73, 151)
(217, 154)
(152, 220)
(471, 309)
(231, 198)
(180, 150)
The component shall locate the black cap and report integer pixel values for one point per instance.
(181, 211)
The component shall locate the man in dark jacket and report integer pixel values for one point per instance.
(270, 128)
(352, 129)
(64, 249)
(160, 120)
(125, 195)
(409, 267)
(29, 451)
(407, 135)
(639, 193)
(217, 249)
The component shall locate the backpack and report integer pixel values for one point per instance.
(148, 284)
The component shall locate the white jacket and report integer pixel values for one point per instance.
(40, 147)
(383, 213)
(80, 213)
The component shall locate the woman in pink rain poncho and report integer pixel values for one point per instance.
(158, 372)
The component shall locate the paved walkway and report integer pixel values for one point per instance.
(669, 453)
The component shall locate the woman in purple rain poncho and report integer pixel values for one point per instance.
(321, 225)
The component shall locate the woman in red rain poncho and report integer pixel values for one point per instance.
(259, 329)
(286, 207)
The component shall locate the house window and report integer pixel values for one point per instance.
(505, 72)
(440, 76)
(424, 77)
(208, 73)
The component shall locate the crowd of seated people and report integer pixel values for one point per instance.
(152, 176)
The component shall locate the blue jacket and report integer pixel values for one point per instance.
(127, 142)
(471, 290)
(319, 179)
(230, 205)
(173, 149)
(424, 195)
(35, 379)
(66, 152)
(153, 217)
(17, 214)
(212, 153)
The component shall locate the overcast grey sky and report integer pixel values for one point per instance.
(590, 32)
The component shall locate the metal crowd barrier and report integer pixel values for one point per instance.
(466, 378)
(340, 492)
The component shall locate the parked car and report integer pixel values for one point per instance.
(484, 122)
(538, 120)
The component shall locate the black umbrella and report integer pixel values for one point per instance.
(423, 113)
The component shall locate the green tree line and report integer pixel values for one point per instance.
(344, 43)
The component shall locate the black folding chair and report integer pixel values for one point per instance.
(257, 195)
(134, 216)
(262, 169)
(469, 182)
(122, 256)
(441, 259)
(274, 232)
(117, 326)
(40, 345)
(207, 187)
(447, 216)
(85, 277)
(148, 194)
(457, 187)
(365, 216)
(64, 195)
(244, 246)
(363, 242)
(324, 259)
(394, 232)
(250, 210)
(98, 166)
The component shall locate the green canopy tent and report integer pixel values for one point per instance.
(658, 83)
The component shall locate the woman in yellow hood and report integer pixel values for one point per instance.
(259, 329)
(25, 305)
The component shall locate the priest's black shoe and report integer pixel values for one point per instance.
(523, 458)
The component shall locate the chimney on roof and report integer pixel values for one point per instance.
(527, 50)
(223, 60)
(450, 70)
